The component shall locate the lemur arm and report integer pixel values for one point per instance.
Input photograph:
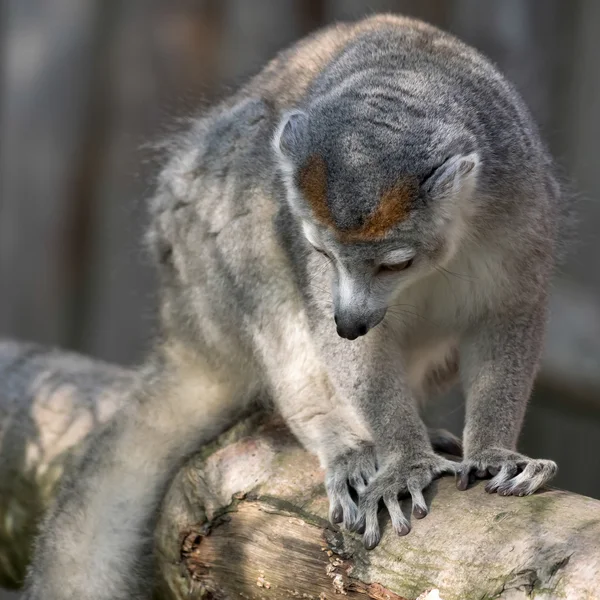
(499, 361)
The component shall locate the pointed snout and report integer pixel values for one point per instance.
(356, 309)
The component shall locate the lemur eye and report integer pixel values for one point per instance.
(401, 266)
(322, 252)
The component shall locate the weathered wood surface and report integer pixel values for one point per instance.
(250, 521)
(50, 400)
(246, 517)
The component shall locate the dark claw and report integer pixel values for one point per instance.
(520, 490)
(337, 515)
(481, 473)
(490, 488)
(371, 541)
(403, 530)
(419, 512)
(463, 480)
(493, 471)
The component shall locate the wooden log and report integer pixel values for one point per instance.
(246, 517)
(50, 401)
(250, 521)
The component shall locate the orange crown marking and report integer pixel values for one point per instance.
(312, 180)
(393, 208)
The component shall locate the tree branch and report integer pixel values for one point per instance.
(246, 517)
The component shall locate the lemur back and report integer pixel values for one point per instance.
(369, 219)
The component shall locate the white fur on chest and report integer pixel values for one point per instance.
(431, 367)
(444, 302)
(430, 317)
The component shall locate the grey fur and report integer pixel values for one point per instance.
(246, 309)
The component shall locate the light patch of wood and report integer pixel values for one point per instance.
(61, 420)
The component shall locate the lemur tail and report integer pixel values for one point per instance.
(445, 442)
(96, 543)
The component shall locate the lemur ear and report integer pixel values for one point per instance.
(457, 174)
(291, 137)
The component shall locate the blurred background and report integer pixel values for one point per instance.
(87, 84)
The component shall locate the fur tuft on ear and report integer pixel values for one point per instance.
(291, 137)
(457, 174)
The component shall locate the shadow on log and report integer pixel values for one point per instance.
(246, 517)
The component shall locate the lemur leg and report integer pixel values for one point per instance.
(369, 373)
(96, 542)
(499, 362)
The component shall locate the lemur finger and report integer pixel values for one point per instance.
(350, 512)
(399, 521)
(507, 472)
(548, 470)
(368, 471)
(367, 464)
(336, 513)
(419, 506)
(372, 535)
(368, 477)
(362, 470)
(446, 466)
(358, 483)
(523, 482)
(534, 476)
(340, 499)
(355, 520)
(463, 477)
(360, 522)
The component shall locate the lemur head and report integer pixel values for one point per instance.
(385, 202)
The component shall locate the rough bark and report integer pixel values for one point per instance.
(246, 517)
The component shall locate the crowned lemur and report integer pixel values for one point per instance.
(370, 219)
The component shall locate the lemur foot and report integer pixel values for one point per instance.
(355, 467)
(399, 477)
(513, 474)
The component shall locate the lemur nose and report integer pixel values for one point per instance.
(351, 331)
